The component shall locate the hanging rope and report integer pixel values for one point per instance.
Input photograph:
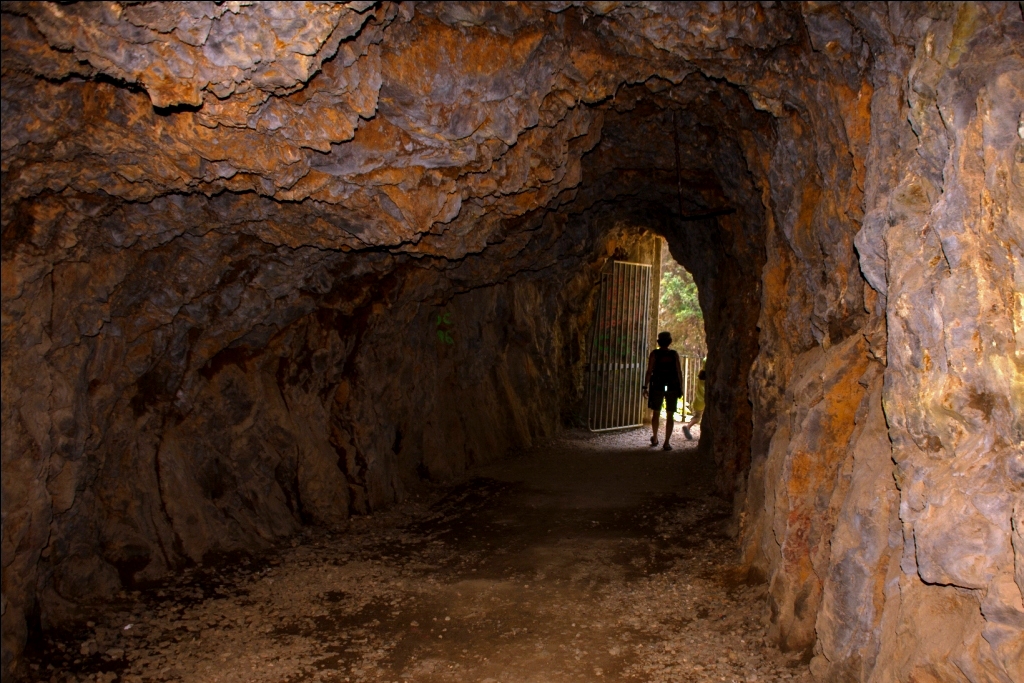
(679, 184)
(679, 175)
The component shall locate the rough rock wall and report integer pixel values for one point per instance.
(892, 462)
(950, 209)
(225, 228)
(272, 387)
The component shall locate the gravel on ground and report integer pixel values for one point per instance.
(590, 558)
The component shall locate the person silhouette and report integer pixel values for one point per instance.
(663, 383)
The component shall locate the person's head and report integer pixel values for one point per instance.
(665, 339)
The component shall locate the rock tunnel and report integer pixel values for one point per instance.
(230, 231)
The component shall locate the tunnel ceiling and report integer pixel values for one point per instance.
(229, 230)
(377, 125)
(276, 140)
(404, 130)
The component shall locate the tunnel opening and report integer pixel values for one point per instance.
(679, 308)
(680, 315)
(271, 271)
(671, 159)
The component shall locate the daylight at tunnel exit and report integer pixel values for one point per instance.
(512, 342)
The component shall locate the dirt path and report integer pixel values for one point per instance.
(592, 558)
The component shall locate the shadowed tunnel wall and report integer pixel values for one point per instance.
(232, 234)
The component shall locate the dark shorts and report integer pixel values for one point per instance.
(657, 396)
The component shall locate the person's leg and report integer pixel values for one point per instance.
(654, 400)
(695, 419)
(670, 410)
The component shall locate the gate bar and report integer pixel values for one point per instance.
(618, 347)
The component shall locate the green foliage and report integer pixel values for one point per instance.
(679, 300)
(679, 295)
(680, 311)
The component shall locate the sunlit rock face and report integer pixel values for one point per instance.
(270, 265)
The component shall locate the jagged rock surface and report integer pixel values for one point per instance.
(232, 233)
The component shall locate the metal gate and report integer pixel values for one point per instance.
(618, 348)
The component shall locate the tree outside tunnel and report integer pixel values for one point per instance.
(679, 310)
(680, 314)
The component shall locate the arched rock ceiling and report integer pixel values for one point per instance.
(412, 127)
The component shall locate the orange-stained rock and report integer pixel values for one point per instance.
(232, 233)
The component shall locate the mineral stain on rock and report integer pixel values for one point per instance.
(228, 231)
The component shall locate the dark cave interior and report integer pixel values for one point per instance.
(231, 233)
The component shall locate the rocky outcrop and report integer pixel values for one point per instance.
(953, 396)
(886, 528)
(269, 265)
